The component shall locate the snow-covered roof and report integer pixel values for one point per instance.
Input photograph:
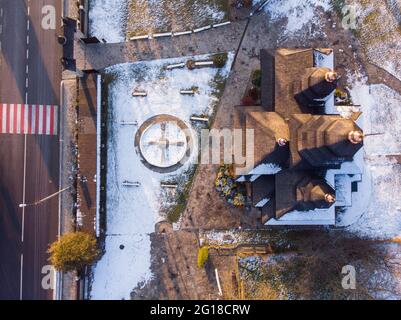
(266, 168)
(307, 218)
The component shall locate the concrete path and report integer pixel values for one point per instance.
(378, 75)
(100, 56)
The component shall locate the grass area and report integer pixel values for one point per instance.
(218, 85)
(169, 15)
(175, 211)
(307, 275)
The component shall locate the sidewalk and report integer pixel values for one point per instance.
(99, 56)
(68, 290)
(78, 149)
(86, 153)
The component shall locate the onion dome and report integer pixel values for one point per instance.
(323, 81)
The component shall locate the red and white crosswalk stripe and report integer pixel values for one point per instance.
(28, 119)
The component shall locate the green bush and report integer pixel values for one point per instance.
(203, 256)
(220, 60)
(257, 78)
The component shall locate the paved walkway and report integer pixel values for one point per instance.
(378, 75)
(101, 55)
(68, 167)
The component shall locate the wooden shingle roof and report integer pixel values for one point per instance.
(293, 93)
(267, 84)
(286, 193)
(300, 190)
(290, 65)
(263, 188)
(267, 128)
(322, 141)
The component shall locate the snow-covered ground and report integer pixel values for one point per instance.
(107, 19)
(133, 212)
(379, 201)
(299, 14)
(378, 27)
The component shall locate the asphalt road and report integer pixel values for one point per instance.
(30, 72)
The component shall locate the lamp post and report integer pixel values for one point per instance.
(24, 205)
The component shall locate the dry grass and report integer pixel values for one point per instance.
(170, 15)
(316, 272)
(379, 32)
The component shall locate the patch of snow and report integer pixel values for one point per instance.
(266, 168)
(254, 177)
(343, 190)
(262, 203)
(376, 211)
(250, 178)
(298, 13)
(347, 111)
(379, 33)
(323, 60)
(312, 217)
(221, 237)
(382, 218)
(233, 237)
(79, 217)
(240, 236)
(119, 271)
(107, 19)
(133, 212)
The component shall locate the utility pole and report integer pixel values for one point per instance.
(23, 205)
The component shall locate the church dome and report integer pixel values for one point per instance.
(323, 81)
(314, 193)
(344, 137)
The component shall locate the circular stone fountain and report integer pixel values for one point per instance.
(164, 143)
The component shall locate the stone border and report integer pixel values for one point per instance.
(172, 34)
(156, 119)
(178, 33)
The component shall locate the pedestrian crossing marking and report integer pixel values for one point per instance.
(28, 119)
